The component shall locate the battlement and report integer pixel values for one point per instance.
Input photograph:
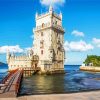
(23, 58)
(39, 16)
(49, 13)
(48, 25)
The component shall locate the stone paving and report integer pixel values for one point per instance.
(95, 95)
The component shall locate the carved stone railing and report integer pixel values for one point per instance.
(47, 25)
(35, 57)
(46, 62)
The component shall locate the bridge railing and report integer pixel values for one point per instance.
(18, 81)
(7, 76)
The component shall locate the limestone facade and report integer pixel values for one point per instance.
(25, 62)
(48, 51)
(49, 40)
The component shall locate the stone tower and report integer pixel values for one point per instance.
(48, 41)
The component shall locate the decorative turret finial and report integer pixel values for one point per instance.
(30, 52)
(36, 15)
(60, 15)
(8, 52)
(13, 54)
(50, 8)
(8, 55)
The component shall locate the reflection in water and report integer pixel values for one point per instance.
(43, 84)
(73, 81)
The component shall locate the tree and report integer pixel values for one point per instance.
(95, 60)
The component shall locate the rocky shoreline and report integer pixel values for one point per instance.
(90, 68)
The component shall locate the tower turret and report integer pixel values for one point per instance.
(13, 55)
(8, 56)
(51, 9)
(48, 41)
(60, 15)
(36, 15)
(30, 53)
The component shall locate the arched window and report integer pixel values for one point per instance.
(42, 25)
(42, 52)
(41, 33)
(57, 52)
(42, 44)
(56, 22)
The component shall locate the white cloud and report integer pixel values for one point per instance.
(52, 2)
(66, 60)
(77, 46)
(78, 33)
(66, 46)
(96, 42)
(15, 49)
(29, 48)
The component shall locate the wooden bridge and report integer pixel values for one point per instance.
(10, 85)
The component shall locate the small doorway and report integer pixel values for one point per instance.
(35, 66)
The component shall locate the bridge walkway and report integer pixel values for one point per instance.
(9, 86)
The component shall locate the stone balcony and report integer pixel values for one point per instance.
(48, 25)
(35, 58)
(46, 62)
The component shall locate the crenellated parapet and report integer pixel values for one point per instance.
(50, 12)
(21, 61)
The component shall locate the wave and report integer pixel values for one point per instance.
(3, 70)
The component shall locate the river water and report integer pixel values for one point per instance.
(73, 81)
(3, 71)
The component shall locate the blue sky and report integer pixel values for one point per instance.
(81, 21)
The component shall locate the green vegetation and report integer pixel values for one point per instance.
(92, 59)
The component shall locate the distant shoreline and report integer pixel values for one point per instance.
(90, 68)
(1, 63)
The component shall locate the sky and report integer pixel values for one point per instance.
(81, 21)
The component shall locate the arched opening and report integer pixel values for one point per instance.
(41, 33)
(42, 25)
(35, 66)
(42, 52)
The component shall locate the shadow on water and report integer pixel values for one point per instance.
(73, 81)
